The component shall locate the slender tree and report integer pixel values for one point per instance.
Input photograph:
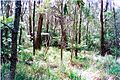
(38, 40)
(106, 8)
(14, 40)
(87, 29)
(30, 19)
(34, 29)
(7, 16)
(76, 23)
(47, 28)
(80, 22)
(20, 36)
(62, 30)
(102, 29)
(3, 20)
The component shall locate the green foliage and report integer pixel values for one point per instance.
(24, 56)
(109, 64)
(79, 2)
(108, 14)
(55, 39)
(115, 51)
(5, 71)
(86, 11)
(8, 21)
(21, 72)
(84, 61)
(73, 76)
(114, 69)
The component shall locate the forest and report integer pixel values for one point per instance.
(60, 39)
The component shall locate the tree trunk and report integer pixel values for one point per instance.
(72, 44)
(34, 29)
(106, 8)
(38, 40)
(79, 41)
(76, 22)
(30, 20)
(14, 40)
(87, 33)
(1, 28)
(102, 30)
(20, 36)
(75, 28)
(47, 28)
(7, 15)
(62, 30)
(55, 24)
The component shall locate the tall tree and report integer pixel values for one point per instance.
(87, 29)
(34, 29)
(106, 8)
(76, 23)
(61, 23)
(80, 22)
(14, 40)
(102, 29)
(63, 33)
(30, 19)
(3, 20)
(47, 28)
(7, 16)
(38, 40)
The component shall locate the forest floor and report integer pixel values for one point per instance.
(47, 62)
(88, 66)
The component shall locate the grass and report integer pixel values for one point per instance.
(47, 66)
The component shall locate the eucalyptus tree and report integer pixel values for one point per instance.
(42, 8)
(102, 29)
(30, 18)
(14, 40)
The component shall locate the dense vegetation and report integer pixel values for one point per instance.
(60, 40)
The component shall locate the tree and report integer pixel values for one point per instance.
(80, 21)
(30, 19)
(62, 30)
(34, 29)
(47, 29)
(75, 25)
(14, 40)
(102, 29)
(38, 40)
(7, 16)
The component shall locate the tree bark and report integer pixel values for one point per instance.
(30, 20)
(102, 30)
(20, 36)
(79, 41)
(87, 33)
(38, 40)
(34, 29)
(47, 28)
(14, 40)
(7, 15)
(76, 22)
(1, 28)
(62, 30)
